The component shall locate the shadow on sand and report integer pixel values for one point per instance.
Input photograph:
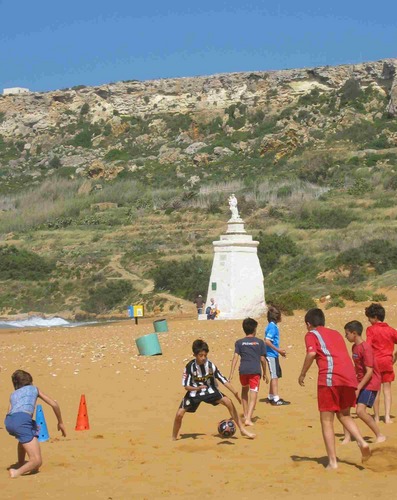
(323, 461)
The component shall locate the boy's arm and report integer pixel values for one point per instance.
(55, 406)
(190, 388)
(310, 356)
(369, 371)
(232, 390)
(282, 352)
(264, 368)
(233, 365)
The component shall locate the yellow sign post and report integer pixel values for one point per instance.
(136, 311)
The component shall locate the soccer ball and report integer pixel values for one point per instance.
(227, 428)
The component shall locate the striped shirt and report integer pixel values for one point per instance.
(335, 367)
(207, 374)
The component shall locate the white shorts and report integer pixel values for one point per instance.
(274, 367)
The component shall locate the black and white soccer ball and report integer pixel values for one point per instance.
(227, 428)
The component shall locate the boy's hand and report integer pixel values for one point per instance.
(265, 378)
(61, 428)
(282, 353)
(301, 380)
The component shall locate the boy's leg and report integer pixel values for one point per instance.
(274, 389)
(251, 407)
(387, 396)
(177, 423)
(361, 411)
(347, 439)
(327, 428)
(244, 399)
(376, 407)
(21, 454)
(235, 416)
(34, 459)
(349, 424)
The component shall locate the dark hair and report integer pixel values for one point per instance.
(199, 345)
(315, 317)
(375, 311)
(273, 314)
(249, 326)
(21, 378)
(354, 326)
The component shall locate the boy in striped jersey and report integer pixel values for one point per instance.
(337, 383)
(199, 381)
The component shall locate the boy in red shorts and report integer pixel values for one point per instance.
(337, 383)
(253, 354)
(368, 378)
(382, 338)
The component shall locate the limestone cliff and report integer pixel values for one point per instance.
(84, 128)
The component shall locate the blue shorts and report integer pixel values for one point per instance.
(21, 426)
(367, 398)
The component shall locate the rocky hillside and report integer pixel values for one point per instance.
(180, 128)
(114, 194)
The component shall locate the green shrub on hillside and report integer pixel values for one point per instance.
(117, 154)
(289, 302)
(103, 299)
(292, 272)
(17, 264)
(272, 247)
(324, 218)
(184, 279)
(379, 254)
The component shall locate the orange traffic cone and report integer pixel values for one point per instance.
(82, 423)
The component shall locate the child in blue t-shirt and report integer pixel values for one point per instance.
(20, 424)
(273, 351)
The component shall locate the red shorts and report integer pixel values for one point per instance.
(387, 376)
(336, 398)
(252, 380)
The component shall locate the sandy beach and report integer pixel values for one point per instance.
(132, 400)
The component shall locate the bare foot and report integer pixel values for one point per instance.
(332, 466)
(247, 434)
(365, 452)
(248, 422)
(346, 441)
(13, 473)
(380, 439)
(388, 420)
(174, 438)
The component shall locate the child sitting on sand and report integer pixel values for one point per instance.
(20, 424)
(200, 386)
(368, 378)
(337, 383)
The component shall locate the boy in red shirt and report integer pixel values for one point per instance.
(382, 338)
(368, 378)
(337, 383)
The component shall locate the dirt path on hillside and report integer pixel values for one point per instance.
(144, 285)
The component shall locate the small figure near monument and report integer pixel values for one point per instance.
(233, 207)
(212, 310)
(199, 301)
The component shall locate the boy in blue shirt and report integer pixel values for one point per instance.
(273, 351)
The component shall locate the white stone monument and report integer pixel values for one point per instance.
(236, 281)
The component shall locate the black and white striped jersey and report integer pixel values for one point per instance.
(206, 374)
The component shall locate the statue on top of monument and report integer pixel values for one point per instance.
(233, 207)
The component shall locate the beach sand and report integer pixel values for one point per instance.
(132, 400)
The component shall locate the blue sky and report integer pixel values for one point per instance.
(47, 45)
